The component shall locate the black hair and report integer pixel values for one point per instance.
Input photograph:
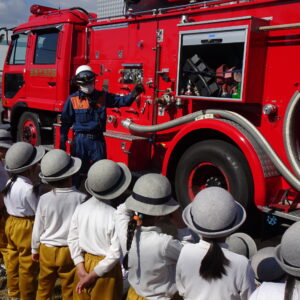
(9, 184)
(213, 264)
(289, 287)
(132, 224)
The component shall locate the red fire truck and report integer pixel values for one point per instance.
(222, 91)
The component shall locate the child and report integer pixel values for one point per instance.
(92, 239)
(287, 255)
(52, 222)
(208, 270)
(5, 143)
(152, 255)
(265, 266)
(20, 201)
(242, 243)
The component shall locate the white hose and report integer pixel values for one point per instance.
(289, 133)
(259, 138)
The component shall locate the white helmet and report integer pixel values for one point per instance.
(83, 68)
(84, 74)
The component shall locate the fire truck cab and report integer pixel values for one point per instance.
(222, 91)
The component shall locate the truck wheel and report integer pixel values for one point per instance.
(213, 163)
(29, 129)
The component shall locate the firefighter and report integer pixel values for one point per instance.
(85, 110)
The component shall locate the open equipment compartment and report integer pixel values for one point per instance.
(223, 63)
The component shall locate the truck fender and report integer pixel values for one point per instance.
(238, 136)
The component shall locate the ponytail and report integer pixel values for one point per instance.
(135, 221)
(213, 264)
(9, 184)
(289, 288)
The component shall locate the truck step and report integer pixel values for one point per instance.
(293, 215)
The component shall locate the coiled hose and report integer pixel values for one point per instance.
(235, 117)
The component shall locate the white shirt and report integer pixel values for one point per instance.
(152, 258)
(274, 291)
(20, 200)
(92, 230)
(3, 176)
(53, 217)
(237, 284)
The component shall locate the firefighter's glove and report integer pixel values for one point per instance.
(137, 90)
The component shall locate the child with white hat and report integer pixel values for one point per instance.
(265, 266)
(93, 240)
(151, 255)
(52, 222)
(21, 202)
(241, 243)
(207, 270)
(5, 143)
(287, 254)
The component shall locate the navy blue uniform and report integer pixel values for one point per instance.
(87, 115)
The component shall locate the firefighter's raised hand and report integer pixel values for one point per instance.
(137, 90)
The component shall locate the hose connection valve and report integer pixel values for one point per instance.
(270, 109)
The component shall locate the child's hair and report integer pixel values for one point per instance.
(9, 184)
(13, 178)
(132, 224)
(289, 287)
(136, 221)
(213, 264)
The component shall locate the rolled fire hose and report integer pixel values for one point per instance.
(283, 170)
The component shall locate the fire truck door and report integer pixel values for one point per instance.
(42, 68)
(14, 67)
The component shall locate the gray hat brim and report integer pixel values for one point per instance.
(238, 222)
(287, 268)
(40, 152)
(74, 168)
(5, 145)
(250, 243)
(151, 209)
(118, 190)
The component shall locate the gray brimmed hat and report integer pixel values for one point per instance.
(287, 253)
(5, 139)
(214, 213)
(21, 156)
(107, 180)
(152, 195)
(241, 243)
(57, 165)
(265, 266)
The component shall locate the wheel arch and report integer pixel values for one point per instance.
(216, 129)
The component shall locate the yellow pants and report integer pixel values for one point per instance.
(3, 239)
(21, 270)
(132, 295)
(107, 287)
(55, 262)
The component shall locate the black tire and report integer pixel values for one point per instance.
(213, 163)
(29, 129)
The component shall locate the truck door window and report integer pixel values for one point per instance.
(17, 53)
(45, 49)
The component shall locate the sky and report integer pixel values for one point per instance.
(14, 12)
